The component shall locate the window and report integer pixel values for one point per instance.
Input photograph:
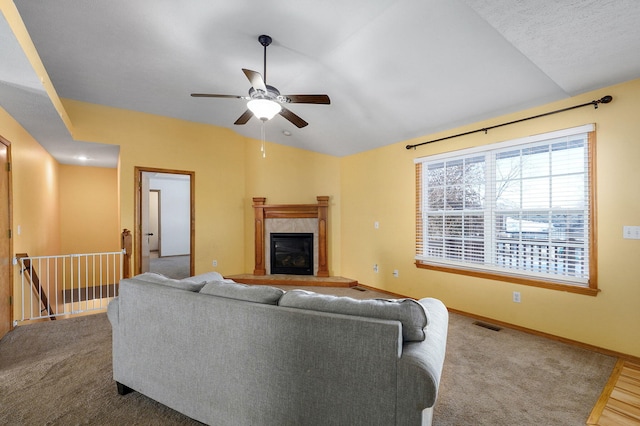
(518, 211)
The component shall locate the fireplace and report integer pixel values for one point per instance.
(292, 253)
(266, 214)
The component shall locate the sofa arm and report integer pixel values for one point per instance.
(420, 367)
(113, 311)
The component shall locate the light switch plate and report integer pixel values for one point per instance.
(631, 232)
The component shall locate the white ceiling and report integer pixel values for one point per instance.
(394, 70)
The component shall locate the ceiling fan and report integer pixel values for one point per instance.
(265, 101)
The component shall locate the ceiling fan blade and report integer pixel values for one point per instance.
(308, 99)
(244, 118)
(256, 80)
(212, 95)
(297, 121)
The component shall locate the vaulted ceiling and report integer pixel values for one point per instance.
(394, 70)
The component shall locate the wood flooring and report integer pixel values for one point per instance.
(619, 404)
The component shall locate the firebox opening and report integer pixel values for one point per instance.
(292, 253)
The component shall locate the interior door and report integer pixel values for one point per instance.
(154, 221)
(144, 214)
(6, 283)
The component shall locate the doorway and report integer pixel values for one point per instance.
(154, 222)
(6, 271)
(177, 223)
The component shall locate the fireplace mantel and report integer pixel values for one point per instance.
(291, 211)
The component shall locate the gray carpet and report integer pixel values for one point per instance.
(59, 373)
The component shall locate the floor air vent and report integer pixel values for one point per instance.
(487, 326)
(358, 288)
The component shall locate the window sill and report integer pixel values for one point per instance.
(589, 291)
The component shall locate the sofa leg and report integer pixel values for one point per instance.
(123, 389)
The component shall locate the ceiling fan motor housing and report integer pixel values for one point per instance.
(272, 94)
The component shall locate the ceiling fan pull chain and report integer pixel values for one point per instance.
(262, 133)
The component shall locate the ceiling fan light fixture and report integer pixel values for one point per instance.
(264, 109)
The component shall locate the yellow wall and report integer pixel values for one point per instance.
(35, 202)
(229, 169)
(88, 209)
(292, 176)
(216, 156)
(379, 186)
(35, 191)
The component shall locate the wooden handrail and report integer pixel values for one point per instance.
(126, 243)
(35, 281)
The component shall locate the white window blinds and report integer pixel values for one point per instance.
(521, 207)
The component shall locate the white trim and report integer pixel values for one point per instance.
(560, 279)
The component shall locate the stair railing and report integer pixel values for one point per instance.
(67, 285)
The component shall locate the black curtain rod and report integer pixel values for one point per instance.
(603, 100)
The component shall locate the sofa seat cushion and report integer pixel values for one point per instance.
(188, 284)
(409, 312)
(256, 293)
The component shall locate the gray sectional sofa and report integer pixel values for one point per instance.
(229, 354)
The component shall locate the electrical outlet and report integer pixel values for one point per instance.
(375, 268)
(215, 263)
(376, 224)
(516, 296)
(395, 273)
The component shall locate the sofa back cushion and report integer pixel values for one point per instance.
(409, 312)
(206, 277)
(256, 293)
(188, 284)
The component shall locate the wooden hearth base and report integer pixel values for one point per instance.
(297, 280)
